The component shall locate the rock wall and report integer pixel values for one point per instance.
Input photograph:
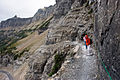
(69, 25)
(6, 60)
(43, 13)
(107, 33)
(62, 7)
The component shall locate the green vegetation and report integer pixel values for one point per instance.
(90, 11)
(59, 58)
(44, 24)
(22, 34)
(87, 4)
(20, 54)
(10, 37)
(72, 54)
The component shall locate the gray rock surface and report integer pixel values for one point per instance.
(71, 26)
(37, 63)
(62, 7)
(15, 22)
(82, 66)
(71, 20)
(107, 33)
(6, 60)
(67, 27)
(41, 63)
(43, 13)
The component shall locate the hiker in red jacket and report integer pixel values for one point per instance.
(87, 42)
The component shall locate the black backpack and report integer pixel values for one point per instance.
(91, 41)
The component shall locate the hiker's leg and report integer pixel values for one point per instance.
(89, 48)
(85, 44)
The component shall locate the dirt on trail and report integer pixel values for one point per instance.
(83, 66)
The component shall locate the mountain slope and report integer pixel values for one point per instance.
(72, 18)
(62, 32)
(15, 22)
(61, 54)
(41, 14)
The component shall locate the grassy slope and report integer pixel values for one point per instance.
(31, 42)
(34, 40)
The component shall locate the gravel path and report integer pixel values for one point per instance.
(82, 67)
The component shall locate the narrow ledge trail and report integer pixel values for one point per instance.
(83, 67)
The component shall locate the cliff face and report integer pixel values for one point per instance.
(62, 7)
(43, 13)
(107, 33)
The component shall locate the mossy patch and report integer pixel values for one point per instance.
(59, 59)
(90, 11)
(20, 54)
(86, 4)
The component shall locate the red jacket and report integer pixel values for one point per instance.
(87, 40)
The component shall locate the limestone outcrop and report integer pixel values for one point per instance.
(107, 35)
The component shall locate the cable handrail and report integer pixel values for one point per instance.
(104, 65)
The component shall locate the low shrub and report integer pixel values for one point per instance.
(90, 11)
(87, 4)
(20, 54)
(59, 59)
